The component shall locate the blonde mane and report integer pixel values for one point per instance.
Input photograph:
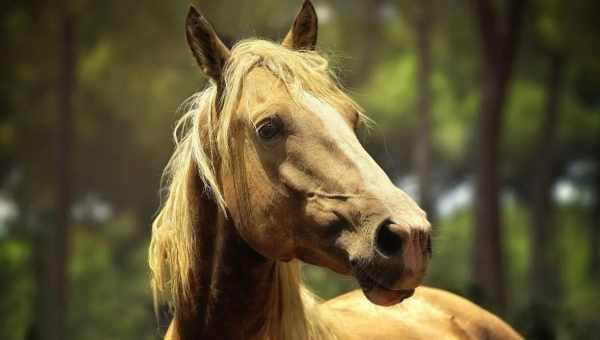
(202, 145)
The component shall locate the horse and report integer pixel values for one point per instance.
(268, 171)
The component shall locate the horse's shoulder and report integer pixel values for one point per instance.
(446, 314)
(467, 315)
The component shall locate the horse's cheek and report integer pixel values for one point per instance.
(269, 239)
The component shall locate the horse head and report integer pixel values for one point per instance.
(289, 169)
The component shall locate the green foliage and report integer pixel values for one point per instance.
(449, 267)
(450, 263)
(391, 94)
(109, 292)
(16, 306)
(109, 278)
(326, 283)
(517, 251)
(524, 114)
(581, 295)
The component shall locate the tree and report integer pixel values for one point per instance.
(544, 281)
(594, 268)
(56, 301)
(545, 284)
(423, 150)
(499, 40)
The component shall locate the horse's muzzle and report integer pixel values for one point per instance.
(396, 265)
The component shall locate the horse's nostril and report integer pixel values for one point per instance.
(389, 239)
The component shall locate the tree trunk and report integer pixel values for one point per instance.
(543, 260)
(498, 51)
(544, 276)
(488, 266)
(40, 271)
(595, 227)
(423, 149)
(56, 290)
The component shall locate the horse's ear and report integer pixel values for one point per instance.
(303, 34)
(209, 51)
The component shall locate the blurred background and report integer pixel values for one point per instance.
(487, 111)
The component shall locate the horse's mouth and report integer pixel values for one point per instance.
(379, 294)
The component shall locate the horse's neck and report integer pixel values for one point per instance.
(240, 294)
(234, 290)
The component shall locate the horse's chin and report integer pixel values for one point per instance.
(380, 295)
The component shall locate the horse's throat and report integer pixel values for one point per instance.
(234, 290)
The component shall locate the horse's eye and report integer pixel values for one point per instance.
(269, 128)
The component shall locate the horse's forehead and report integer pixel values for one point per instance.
(264, 92)
(264, 86)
